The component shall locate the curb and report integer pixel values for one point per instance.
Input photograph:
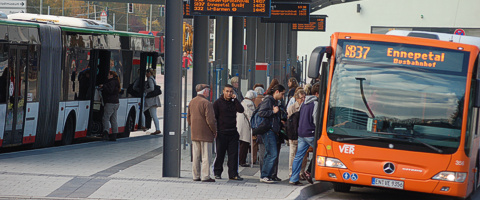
(312, 190)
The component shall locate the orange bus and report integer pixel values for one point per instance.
(398, 112)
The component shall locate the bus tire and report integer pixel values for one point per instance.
(341, 187)
(130, 125)
(69, 131)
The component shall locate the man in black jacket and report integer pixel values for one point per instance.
(269, 109)
(226, 108)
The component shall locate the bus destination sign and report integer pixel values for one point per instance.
(249, 8)
(317, 23)
(403, 55)
(289, 13)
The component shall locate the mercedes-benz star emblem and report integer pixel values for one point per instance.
(389, 168)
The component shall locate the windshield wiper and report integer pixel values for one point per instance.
(411, 139)
(340, 139)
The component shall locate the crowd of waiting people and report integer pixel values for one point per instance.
(290, 111)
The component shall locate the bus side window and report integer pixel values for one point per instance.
(116, 65)
(3, 72)
(32, 73)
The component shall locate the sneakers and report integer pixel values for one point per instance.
(308, 177)
(196, 179)
(266, 180)
(218, 177)
(296, 183)
(237, 178)
(209, 180)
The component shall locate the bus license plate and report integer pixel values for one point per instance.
(387, 183)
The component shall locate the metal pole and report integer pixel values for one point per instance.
(237, 48)
(221, 48)
(146, 24)
(63, 7)
(150, 26)
(48, 10)
(251, 49)
(41, 6)
(173, 81)
(113, 21)
(88, 9)
(127, 21)
(200, 51)
(185, 106)
(95, 11)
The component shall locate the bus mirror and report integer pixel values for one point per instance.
(316, 60)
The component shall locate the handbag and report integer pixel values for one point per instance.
(156, 91)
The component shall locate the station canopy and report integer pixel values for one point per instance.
(320, 4)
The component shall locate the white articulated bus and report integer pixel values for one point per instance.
(49, 73)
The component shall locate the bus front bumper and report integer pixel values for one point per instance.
(382, 181)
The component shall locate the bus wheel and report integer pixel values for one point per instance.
(130, 124)
(341, 187)
(68, 132)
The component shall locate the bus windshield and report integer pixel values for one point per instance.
(383, 97)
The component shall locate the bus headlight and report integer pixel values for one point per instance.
(330, 162)
(451, 176)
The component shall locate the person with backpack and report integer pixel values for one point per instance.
(306, 133)
(292, 126)
(269, 110)
(226, 109)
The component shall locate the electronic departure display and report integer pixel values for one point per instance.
(250, 8)
(288, 13)
(414, 56)
(317, 23)
(186, 10)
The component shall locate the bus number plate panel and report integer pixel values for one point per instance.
(387, 183)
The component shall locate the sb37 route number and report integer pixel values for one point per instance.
(358, 52)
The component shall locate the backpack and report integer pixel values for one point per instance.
(292, 126)
(259, 124)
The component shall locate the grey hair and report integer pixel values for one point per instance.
(201, 91)
(259, 90)
(251, 94)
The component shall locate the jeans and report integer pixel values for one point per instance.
(270, 142)
(303, 144)
(153, 113)
(293, 151)
(110, 117)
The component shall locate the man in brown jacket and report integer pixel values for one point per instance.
(202, 122)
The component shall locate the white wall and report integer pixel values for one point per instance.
(391, 13)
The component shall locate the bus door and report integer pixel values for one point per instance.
(16, 90)
(100, 65)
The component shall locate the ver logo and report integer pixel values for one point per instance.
(348, 149)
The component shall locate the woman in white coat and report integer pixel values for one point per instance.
(243, 126)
